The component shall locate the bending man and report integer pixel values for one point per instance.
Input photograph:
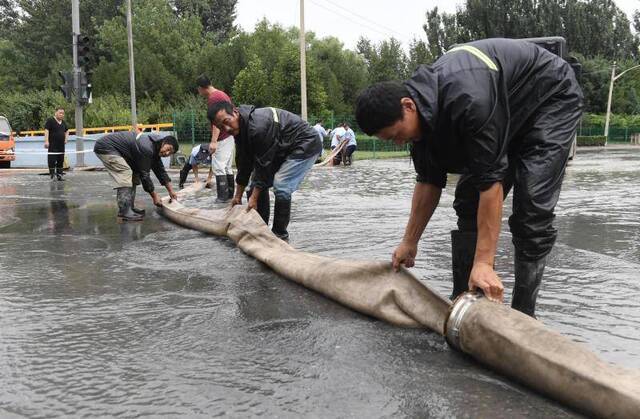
(277, 147)
(501, 113)
(129, 157)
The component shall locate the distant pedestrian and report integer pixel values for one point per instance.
(350, 148)
(322, 133)
(56, 135)
(337, 137)
(129, 157)
(200, 154)
(221, 145)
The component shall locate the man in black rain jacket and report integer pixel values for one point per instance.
(129, 157)
(502, 113)
(275, 148)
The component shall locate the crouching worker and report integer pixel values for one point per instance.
(129, 157)
(502, 113)
(274, 148)
(200, 154)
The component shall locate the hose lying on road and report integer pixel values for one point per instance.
(506, 340)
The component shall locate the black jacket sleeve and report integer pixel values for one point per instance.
(160, 172)
(244, 162)
(265, 134)
(428, 171)
(144, 166)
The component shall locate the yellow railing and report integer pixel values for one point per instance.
(103, 130)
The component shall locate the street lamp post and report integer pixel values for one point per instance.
(613, 79)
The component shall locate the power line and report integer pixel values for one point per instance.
(375, 29)
(365, 18)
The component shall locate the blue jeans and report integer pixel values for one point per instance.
(290, 175)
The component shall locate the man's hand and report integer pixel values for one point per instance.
(236, 200)
(484, 277)
(405, 254)
(173, 195)
(46, 144)
(213, 146)
(252, 203)
(156, 199)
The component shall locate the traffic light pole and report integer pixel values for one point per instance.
(75, 23)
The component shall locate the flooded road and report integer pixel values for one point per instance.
(102, 319)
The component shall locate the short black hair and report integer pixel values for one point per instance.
(203, 81)
(378, 106)
(171, 140)
(217, 107)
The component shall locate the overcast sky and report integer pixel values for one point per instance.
(349, 19)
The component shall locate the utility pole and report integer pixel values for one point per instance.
(606, 122)
(303, 65)
(75, 24)
(132, 74)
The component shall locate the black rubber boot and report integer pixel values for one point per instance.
(263, 205)
(184, 172)
(281, 217)
(525, 291)
(138, 211)
(222, 189)
(231, 184)
(59, 173)
(52, 173)
(125, 213)
(463, 250)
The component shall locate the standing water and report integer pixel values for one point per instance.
(102, 319)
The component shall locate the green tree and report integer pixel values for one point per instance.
(216, 16)
(166, 51)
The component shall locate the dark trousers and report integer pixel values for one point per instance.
(344, 154)
(537, 160)
(56, 161)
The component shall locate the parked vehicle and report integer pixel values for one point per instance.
(7, 144)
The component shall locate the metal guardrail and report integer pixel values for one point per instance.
(103, 130)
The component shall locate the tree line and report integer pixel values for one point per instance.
(176, 40)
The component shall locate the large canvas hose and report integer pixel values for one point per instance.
(504, 339)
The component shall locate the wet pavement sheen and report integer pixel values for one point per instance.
(102, 319)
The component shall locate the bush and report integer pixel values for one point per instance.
(592, 140)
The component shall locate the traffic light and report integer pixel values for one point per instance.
(82, 44)
(67, 84)
(84, 92)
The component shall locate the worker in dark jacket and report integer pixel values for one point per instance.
(275, 148)
(129, 157)
(501, 113)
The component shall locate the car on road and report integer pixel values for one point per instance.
(7, 144)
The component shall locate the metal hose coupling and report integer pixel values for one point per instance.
(456, 316)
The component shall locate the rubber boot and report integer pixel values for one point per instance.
(125, 213)
(52, 173)
(231, 183)
(222, 189)
(525, 291)
(263, 205)
(184, 172)
(281, 217)
(138, 211)
(463, 250)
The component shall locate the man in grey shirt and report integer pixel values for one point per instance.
(129, 158)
